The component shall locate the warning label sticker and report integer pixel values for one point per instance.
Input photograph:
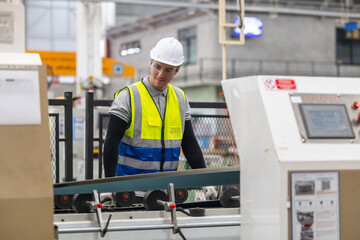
(279, 84)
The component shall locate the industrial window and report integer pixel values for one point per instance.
(130, 48)
(348, 46)
(188, 39)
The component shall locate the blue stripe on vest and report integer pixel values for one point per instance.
(147, 154)
(122, 170)
(172, 154)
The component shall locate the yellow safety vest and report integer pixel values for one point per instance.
(151, 143)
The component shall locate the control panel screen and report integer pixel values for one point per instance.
(326, 121)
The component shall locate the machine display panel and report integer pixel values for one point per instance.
(326, 121)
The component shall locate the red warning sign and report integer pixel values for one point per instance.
(269, 84)
(285, 84)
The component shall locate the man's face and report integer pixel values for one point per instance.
(161, 74)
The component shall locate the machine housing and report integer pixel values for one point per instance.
(298, 141)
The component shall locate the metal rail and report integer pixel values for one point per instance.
(150, 227)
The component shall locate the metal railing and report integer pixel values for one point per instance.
(209, 70)
(68, 137)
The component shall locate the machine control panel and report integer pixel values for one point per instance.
(327, 118)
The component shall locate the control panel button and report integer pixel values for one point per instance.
(356, 104)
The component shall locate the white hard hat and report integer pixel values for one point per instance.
(169, 51)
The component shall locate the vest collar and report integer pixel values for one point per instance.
(153, 91)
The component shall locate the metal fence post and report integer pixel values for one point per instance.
(57, 154)
(68, 137)
(100, 145)
(89, 136)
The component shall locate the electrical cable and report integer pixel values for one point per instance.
(241, 22)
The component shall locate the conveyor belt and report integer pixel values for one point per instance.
(181, 179)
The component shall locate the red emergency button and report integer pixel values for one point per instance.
(172, 205)
(356, 105)
(99, 205)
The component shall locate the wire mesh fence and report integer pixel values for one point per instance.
(214, 135)
(54, 145)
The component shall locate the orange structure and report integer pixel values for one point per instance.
(64, 63)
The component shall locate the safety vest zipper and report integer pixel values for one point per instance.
(162, 145)
(162, 129)
(163, 138)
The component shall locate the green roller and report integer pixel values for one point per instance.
(181, 179)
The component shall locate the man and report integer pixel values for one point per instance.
(150, 120)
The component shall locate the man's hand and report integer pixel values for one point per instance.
(210, 192)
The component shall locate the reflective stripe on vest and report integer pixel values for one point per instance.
(140, 150)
